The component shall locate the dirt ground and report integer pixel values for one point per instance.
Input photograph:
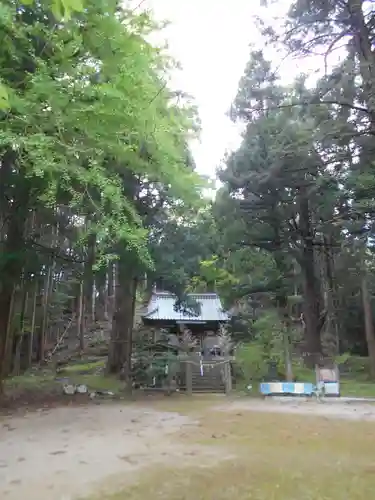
(69, 453)
(327, 408)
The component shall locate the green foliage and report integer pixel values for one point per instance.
(94, 147)
(286, 197)
(296, 207)
(62, 11)
(303, 374)
(153, 364)
(211, 271)
(269, 332)
(253, 359)
(178, 247)
(95, 165)
(93, 115)
(250, 363)
(356, 367)
(342, 358)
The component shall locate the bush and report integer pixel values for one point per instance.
(356, 367)
(269, 333)
(301, 373)
(250, 363)
(253, 359)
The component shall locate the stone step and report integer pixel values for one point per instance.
(206, 380)
(200, 380)
(211, 381)
(208, 385)
(205, 390)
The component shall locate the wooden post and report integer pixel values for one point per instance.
(189, 378)
(227, 377)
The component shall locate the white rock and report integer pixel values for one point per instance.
(69, 389)
(82, 389)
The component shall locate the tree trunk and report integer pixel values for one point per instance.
(93, 302)
(369, 324)
(32, 328)
(89, 281)
(282, 301)
(48, 293)
(311, 295)
(20, 335)
(12, 261)
(329, 333)
(288, 356)
(101, 313)
(119, 356)
(80, 317)
(44, 325)
(111, 287)
(8, 340)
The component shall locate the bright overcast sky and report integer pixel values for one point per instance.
(210, 38)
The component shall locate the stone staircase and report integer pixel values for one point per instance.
(211, 380)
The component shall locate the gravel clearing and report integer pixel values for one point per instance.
(346, 409)
(69, 453)
(66, 453)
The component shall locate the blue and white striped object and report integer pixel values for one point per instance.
(286, 388)
(331, 388)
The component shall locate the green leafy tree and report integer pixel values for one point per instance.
(89, 123)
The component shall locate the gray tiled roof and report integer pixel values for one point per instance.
(161, 307)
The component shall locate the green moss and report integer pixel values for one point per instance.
(357, 388)
(99, 382)
(46, 381)
(31, 380)
(83, 367)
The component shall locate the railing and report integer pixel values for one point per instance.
(195, 366)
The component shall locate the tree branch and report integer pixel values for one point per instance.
(55, 253)
(315, 103)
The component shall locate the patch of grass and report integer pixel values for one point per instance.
(45, 381)
(267, 457)
(356, 385)
(357, 388)
(98, 382)
(83, 368)
(183, 404)
(31, 380)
